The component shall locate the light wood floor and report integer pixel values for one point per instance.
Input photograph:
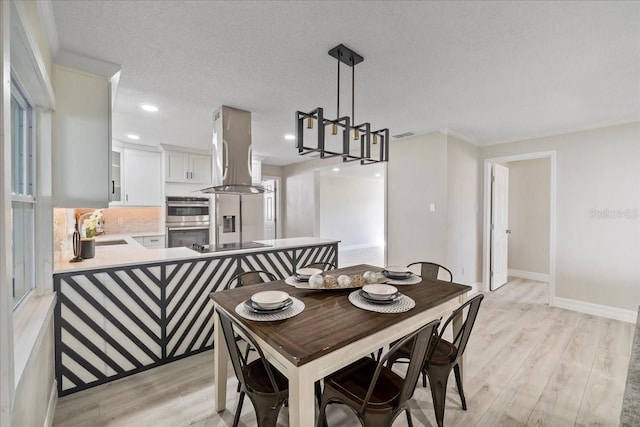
(527, 364)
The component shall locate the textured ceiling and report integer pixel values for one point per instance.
(489, 71)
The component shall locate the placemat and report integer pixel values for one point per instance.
(410, 281)
(296, 308)
(403, 304)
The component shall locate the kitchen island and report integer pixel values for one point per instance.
(129, 308)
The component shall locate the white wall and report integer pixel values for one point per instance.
(529, 197)
(6, 297)
(352, 210)
(26, 363)
(464, 228)
(417, 177)
(598, 239)
(443, 170)
(299, 200)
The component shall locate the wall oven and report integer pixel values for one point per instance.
(187, 221)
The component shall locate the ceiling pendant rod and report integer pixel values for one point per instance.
(334, 127)
(356, 134)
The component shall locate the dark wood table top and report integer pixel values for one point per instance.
(329, 321)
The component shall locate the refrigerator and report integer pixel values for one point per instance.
(239, 218)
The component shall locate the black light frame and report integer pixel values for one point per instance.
(349, 57)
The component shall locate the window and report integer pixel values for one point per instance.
(22, 195)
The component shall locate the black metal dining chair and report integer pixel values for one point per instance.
(252, 277)
(431, 270)
(322, 265)
(446, 356)
(375, 393)
(247, 278)
(266, 387)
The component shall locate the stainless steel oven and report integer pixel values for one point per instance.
(187, 221)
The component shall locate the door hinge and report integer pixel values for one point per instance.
(492, 226)
(493, 178)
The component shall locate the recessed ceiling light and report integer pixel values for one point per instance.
(336, 169)
(378, 174)
(148, 107)
(289, 137)
(132, 136)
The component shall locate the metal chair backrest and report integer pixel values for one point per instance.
(430, 270)
(250, 278)
(324, 266)
(230, 329)
(462, 337)
(421, 343)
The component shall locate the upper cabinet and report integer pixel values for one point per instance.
(117, 172)
(142, 178)
(81, 143)
(188, 168)
(136, 177)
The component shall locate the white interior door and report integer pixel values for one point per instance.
(269, 208)
(499, 225)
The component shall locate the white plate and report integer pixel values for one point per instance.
(308, 272)
(380, 291)
(270, 299)
(395, 269)
(411, 280)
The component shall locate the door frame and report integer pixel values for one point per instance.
(486, 226)
(278, 207)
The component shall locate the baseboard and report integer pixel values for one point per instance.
(51, 408)
(596, 309)
(529, 275)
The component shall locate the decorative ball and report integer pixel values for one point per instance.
(330, 281)
(358, 280)
(370, 276)
(344, 281)
(316, 281)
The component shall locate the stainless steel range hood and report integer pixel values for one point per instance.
(232, 153)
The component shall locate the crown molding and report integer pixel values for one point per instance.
(563, 132)
(451, 132)
(45, 10)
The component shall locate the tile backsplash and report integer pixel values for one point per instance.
(117, 221)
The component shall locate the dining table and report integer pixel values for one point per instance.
(328, 334)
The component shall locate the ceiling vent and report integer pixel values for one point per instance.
(403, 135)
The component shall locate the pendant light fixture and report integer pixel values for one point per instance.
(374, 145)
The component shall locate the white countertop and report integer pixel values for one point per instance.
(134, 253)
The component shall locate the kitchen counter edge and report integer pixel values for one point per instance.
(134, 253)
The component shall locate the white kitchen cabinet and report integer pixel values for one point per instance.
(117, 175)
(187, 167)
(142, 178)
(81, 139)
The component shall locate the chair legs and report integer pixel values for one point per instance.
(322, 415)
(318, 392)
(409, 420)
(438, 377)
(236, 418)
(267, 410)
(456, 371)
